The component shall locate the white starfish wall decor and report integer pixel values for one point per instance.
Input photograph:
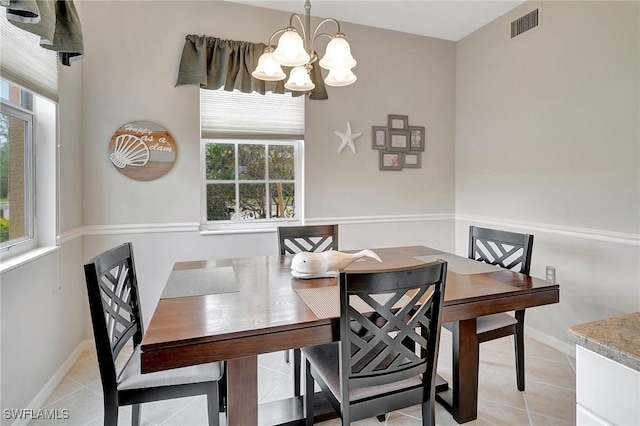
(348, 138)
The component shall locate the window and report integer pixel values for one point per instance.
(252, 158)
(16, 165)
(249, 180)
(28, 144)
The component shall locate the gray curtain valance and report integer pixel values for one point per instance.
(213, 63)
(57, 23)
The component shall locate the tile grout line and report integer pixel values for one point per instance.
(571, 362)
(526, 405)
(553, 418)
(174, 414)
(66, 396)
(272, 387)
(502, 404)
(273, 369)
(93, 419)
(552, 385)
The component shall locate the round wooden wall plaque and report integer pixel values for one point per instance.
(142, 150)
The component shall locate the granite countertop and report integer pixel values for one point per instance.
(616, 338)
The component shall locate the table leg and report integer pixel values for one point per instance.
(242, 391)
(465, 371)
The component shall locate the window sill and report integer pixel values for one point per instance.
(13, 262)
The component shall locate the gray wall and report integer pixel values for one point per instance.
(536, 134)
(135, 63)
(547, 142)
(132, 50)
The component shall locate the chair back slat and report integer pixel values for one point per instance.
(114, 304)
(317, 238)
(509, 250)
(397, 337)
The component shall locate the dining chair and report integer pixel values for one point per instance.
(315, 238)
(509, 250)
(297, 239)
(114, 303)
(386, 364)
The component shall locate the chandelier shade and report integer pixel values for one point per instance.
(299, 80)
(268, 69)
(290, 51)
(339, 77)
(298, 52)
(337, 54)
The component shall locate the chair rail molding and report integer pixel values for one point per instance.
(139, 228)
(568, 231)
(144, 228)
(354, 220)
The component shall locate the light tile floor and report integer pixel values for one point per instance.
(549, 398)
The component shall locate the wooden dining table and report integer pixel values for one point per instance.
(261, 311)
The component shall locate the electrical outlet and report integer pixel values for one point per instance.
(551, 274)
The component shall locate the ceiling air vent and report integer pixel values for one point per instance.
(525, 23)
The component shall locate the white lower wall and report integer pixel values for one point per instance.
(598, 273)
(42, 322)
(156, 252)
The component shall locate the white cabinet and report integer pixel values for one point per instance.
(607, 393)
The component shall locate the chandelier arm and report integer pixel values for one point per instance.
(317, 36)
(315, 32)
(304, 30)
(280, 31)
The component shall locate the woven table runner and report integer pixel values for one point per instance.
(461, 265)
(325, 301)
(197, 282)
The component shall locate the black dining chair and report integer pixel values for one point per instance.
(315, 238)
(297, 239)
(387, 361)
(114, 303)
(509, 250)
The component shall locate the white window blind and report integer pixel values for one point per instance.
(243, 115)
(24, 62)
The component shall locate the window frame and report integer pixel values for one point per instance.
(252, 224)
(29, 240)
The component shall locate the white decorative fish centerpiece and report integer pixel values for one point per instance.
(307, 265)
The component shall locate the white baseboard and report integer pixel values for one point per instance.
(568, 349)
(51, 385)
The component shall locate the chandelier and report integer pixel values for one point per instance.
(298, 52)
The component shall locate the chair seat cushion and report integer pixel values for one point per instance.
(326, 358)
(488, 322)
(131, 377)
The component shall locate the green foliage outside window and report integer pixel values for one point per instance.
(260, 167)
(4, 229)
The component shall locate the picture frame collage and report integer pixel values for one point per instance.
(400, 145)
